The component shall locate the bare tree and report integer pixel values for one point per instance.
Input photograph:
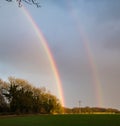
(31, 2)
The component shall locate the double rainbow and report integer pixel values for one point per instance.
(86, 41)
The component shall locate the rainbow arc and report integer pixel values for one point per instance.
(49, 54)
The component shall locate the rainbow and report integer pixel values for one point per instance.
(94, 71)
(45, 45)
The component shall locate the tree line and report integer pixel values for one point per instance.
(18, 96)
(90, 110)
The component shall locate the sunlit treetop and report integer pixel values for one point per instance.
(31, 2)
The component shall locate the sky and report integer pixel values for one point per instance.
(84, 38)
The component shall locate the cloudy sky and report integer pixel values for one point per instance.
(84, 38)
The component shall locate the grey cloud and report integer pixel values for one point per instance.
(25, 55)
(113, 43)
(101, 10)
(109, 35)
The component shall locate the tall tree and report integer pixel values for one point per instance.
(25, 98)
(3, 103)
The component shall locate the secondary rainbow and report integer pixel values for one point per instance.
(94, 71)
(45, 45)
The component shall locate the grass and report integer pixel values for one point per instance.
(62, 120)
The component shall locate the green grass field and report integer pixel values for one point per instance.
(61, 120)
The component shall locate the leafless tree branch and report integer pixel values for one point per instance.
(31, 2)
